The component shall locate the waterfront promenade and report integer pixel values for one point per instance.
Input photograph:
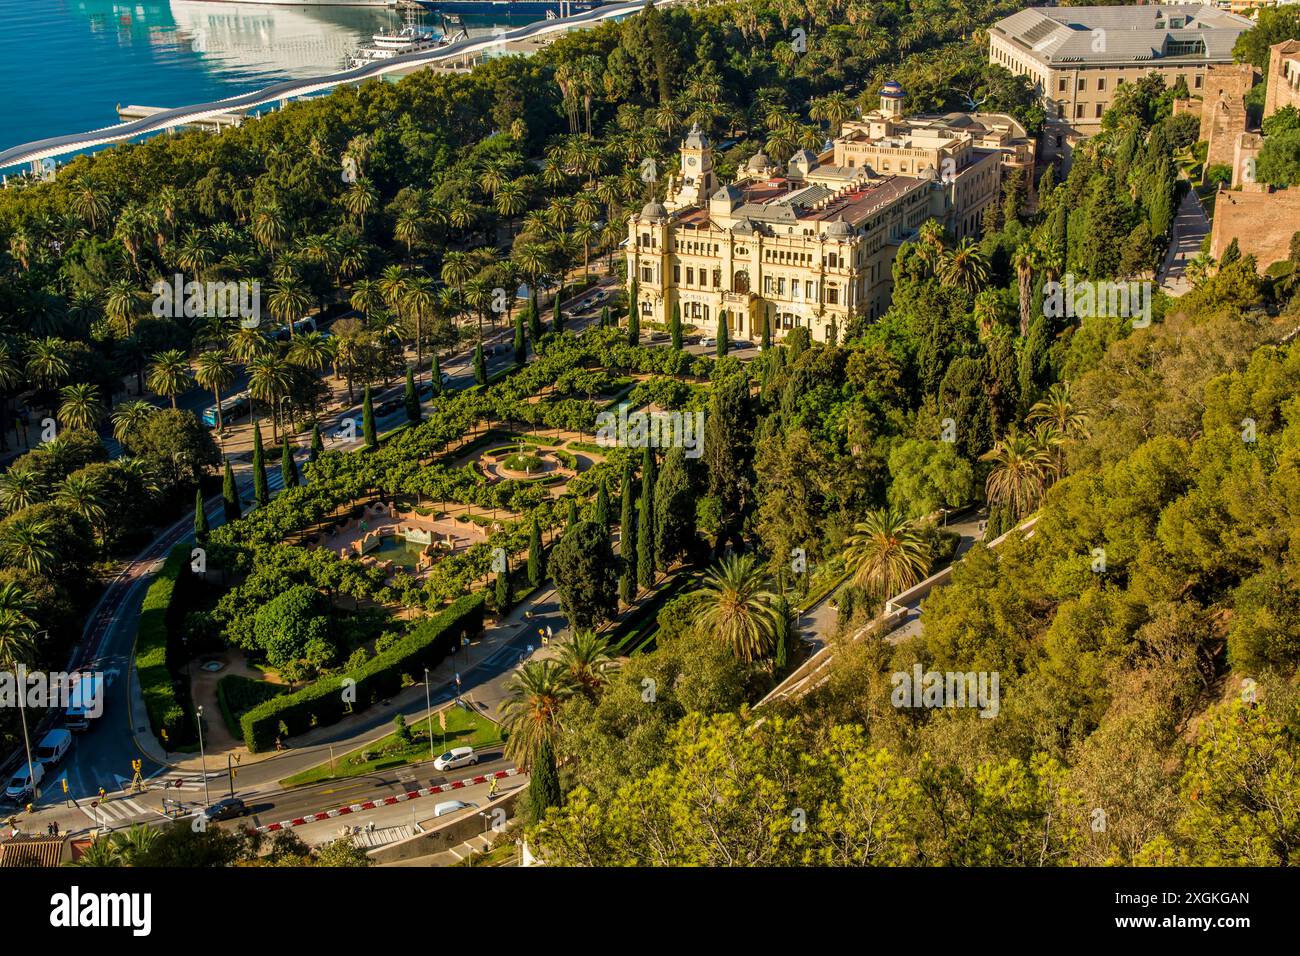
(519, 40)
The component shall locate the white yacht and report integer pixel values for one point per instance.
(386, 44)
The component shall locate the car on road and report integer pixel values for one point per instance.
(708, 341)
(741, 344)
(52, 747)
(657, 336)
(387, 408)
(600, 294)
(456, 757)
(225, 809)
(21, 783)
(452, 806)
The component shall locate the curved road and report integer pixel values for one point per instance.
(179, 116)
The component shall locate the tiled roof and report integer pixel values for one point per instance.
(31, 851)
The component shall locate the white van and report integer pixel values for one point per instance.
(451, 806)
(21, 785)
(52, 747)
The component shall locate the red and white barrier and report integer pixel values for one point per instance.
(388, 801)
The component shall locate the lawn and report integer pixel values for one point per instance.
(464, 729)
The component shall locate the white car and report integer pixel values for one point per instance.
(53, 746)
(452, 806)
(20, 784)
(708, 340)
(456, 757)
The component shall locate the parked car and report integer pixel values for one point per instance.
(53, 746)
(456, 757)
(387, 408)
(21, 784)
(225, 809)
(452, 806)
(708, 340)
(657, 336)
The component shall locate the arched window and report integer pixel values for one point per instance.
(740, 283)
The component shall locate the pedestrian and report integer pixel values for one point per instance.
(278, 745)
(492, 788)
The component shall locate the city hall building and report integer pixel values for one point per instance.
(812, 243)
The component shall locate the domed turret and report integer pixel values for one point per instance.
(654, 211)
(891, 98)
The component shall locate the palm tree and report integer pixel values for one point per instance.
(121, 303)
(20, 488)
(587, 661)
(79, 406)
(886, 553)
(17, 627)
(28, 545)
(1021, 471)
(196, 255)
(366, 297)
(133, 844)
(102, 852)
(964, 267)
(737, 607)
(408, 229)
(360, 200)
(419, 301)
(129, 418)
(1058, 408)
(214, 371)
(1025, 261)
(289, 301)
(84, 494)
(169, 374)
(531, 712)
(88, 202)
(269, 382)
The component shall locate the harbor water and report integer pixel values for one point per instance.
(66, 65)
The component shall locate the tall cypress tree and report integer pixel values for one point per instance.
(480, 365)
(410, 398)
(674, 510)
(544, 784)
(767, 331)
(675, 326)
(602, 506)
(200, 518)
(534, 318)
(627, 539)
(722, 334)
(633, 317)
(436, 371)
(572, 518)
(645, 523)
(604, 317)
(368, 422)
(536, 556)
(230, 495)
(557, 316)
(503, 588)
(288, 467)
(317, 446)
(521, 341)
(261, 489)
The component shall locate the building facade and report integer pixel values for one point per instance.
(1077, 57)
(812, 244)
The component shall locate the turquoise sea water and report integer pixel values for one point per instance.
(65, 65)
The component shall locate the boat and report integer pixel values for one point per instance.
(538, 8)
(411, 38)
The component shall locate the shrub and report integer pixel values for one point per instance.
(322, 703)
(165, 712)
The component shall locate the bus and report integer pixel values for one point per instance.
(231, 408)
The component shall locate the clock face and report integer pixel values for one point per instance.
(690, 160)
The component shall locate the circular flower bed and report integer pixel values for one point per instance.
(523, 461)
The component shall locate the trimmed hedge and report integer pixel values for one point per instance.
(321, 703)
(165, 710)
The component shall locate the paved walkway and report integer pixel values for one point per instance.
(1191, 226)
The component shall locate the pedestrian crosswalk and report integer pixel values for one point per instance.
(180, 781)
(115, 811)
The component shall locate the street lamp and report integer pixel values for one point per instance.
(203, 757)
(27, 742)
(428, 707)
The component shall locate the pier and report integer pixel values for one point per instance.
(460, 54)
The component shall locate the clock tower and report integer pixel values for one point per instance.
(698, 180)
